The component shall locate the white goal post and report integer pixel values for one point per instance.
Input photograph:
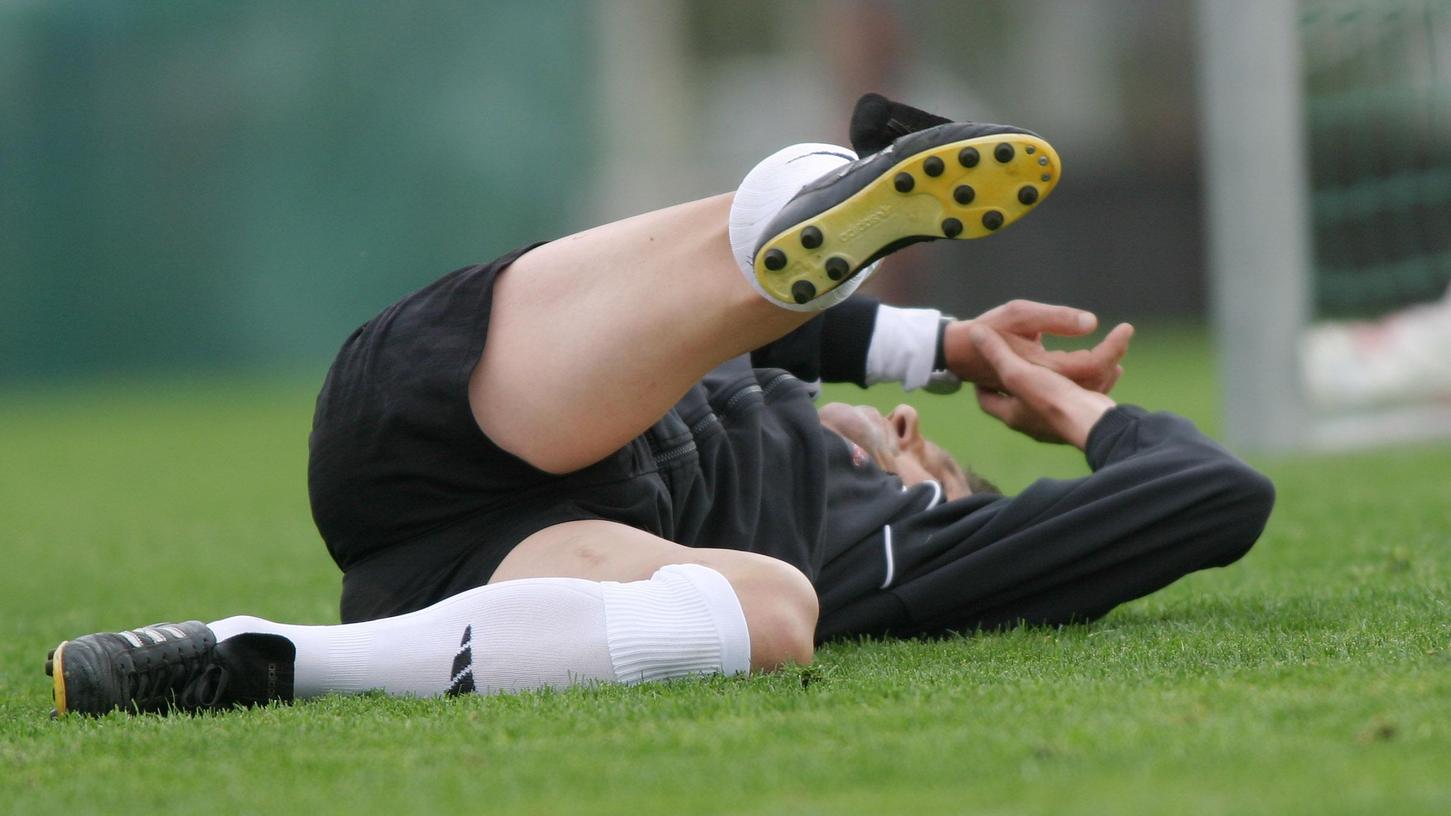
(1260, 233)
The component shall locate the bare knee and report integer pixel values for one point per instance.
(778, 601)
(781, 610)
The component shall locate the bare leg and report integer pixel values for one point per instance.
(779, 603)
(594, 337)
(591, 339)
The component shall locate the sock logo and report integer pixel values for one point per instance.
(463, 666)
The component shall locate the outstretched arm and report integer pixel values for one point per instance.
(1163, 501)
(865, 342)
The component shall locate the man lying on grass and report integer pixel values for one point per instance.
(598, 460)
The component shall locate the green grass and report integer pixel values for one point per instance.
(1313, 677)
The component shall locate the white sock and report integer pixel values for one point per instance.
(526, 634)
(903, 346)
(767, 189)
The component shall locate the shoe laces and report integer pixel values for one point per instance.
(154, 682)
(206, 689)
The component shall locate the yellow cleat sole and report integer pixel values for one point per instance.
(963, 190)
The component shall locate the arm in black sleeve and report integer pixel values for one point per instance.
(831, 346)
(1163, 501)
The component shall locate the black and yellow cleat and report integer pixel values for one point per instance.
(958, 180)
(151, 669)
(169, 667)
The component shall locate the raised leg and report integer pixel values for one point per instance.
(593, 337)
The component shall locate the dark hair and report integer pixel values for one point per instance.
(978, 483)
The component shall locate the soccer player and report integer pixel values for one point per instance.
(599, 459)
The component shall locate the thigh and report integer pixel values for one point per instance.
(596, 335)
(599, 550)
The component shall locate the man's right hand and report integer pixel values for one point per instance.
(1022, 325)
(1036, 400)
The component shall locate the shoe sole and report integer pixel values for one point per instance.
(964, 189)
(55, 669)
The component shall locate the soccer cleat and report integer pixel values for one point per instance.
(958, 180)
(167, 666)
(877, 121)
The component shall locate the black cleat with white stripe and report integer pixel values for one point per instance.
(168, 667)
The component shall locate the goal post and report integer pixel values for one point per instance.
(1258, 229)
(1327, 157)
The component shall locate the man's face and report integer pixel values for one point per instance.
(896, 444)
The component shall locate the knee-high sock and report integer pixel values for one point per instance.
(525, 634)
(769, 186)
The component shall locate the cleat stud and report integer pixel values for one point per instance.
(836, 268)
(803, 291)
(1043, 161)
(964, 194)
(1003, 153)
(933, 166)
(951, 227)
(967, 157)
(904, 182)
(1028, 194)
(775, 260)
(50, 654)
(49, 667)
(1047, 177)
(811, 237)
(992, 219)
(1030, 150)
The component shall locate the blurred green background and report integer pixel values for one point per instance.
(187, 185)
(232, 186)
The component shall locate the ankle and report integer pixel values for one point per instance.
(765, 190)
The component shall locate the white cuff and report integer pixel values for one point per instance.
(903, 347)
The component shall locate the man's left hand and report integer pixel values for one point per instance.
(1022, 324)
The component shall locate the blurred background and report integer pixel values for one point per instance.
(225, 186)
(222, 184)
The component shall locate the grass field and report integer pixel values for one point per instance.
(1313, 677)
